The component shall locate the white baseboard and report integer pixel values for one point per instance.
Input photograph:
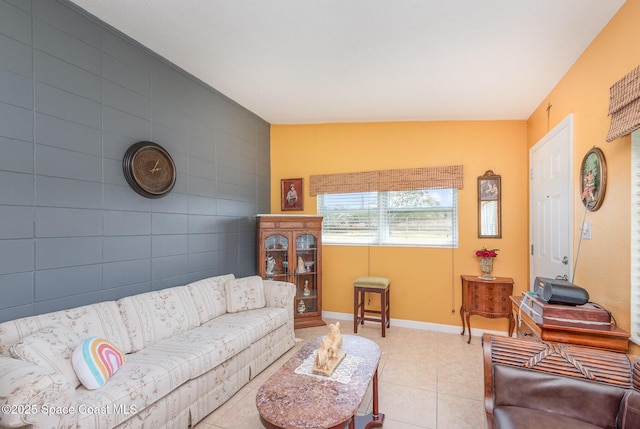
(426, 326)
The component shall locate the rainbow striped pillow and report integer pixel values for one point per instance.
(95, 361)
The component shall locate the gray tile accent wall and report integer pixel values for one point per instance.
(74, 95)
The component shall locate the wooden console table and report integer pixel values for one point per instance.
(487, 298)
(609, 337)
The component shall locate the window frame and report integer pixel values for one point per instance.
(380, 236)
(635, 238)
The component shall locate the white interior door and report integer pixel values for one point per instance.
(551, 184)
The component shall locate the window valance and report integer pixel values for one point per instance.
(403, 179)
(624, 105)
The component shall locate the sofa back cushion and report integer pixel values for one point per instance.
(153, 316)
(101, 320)
(592, 402)
(50, 348)
(209, 296)
(245, 294)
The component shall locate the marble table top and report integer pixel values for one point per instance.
(296, 401)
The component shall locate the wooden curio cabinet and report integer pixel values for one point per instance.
(290, 250)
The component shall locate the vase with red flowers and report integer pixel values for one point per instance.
(486, 262)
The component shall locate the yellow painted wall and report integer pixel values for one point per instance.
(604, 263)
(425, 281)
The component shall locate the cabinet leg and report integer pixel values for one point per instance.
(468, 316)
(512, 324)
(462, 318)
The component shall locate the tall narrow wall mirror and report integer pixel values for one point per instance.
(489, 205)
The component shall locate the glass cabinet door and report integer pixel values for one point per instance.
(277, 257)
(306, 274)
(289, 249)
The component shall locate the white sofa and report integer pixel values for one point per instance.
(188, 350)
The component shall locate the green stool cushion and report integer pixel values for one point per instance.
(375, 282)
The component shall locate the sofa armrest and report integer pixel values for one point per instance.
(33, 395)
(280, 294)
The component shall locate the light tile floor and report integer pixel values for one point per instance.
(426, 380)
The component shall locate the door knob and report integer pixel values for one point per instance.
(565, 260)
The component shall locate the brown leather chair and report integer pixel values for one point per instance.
(530, 384)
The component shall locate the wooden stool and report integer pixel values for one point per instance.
(363, 285)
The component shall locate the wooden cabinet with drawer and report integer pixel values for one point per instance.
(487, 298)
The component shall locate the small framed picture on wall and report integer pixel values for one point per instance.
(291, 195)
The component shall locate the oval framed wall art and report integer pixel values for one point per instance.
(593, 179)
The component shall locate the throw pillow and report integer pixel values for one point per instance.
(51, 348)
(95, 361)
(243, 294)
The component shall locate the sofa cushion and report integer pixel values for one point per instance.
(102, 319)
(254, 324)
(95, 360)
(527, 418)
(51, 348)
(199, 349)
(243, 294)
(33, 386)
(209, 296)
(588, 401)
(155, 371)
(136, 386)
(153, 316)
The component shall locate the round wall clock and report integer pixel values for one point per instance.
(149, 169)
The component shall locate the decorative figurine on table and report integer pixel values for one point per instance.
(329, 355)
(306, 291)
(271, 263)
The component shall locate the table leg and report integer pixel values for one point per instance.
(374, 419)
(468, 317)
(516, 320)
(376, 415)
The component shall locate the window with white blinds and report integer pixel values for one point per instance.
(426, 217)
(635, 237)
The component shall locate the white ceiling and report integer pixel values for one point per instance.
(315, 61)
